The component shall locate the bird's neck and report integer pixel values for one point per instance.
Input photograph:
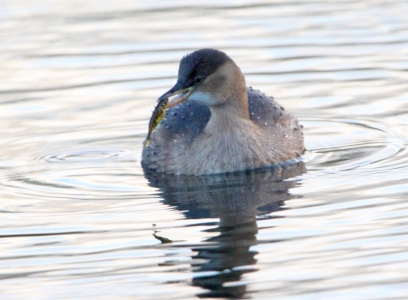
(232, 112)
(226, 119)
(230, 92)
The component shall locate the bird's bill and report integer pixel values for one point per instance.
(183, 94)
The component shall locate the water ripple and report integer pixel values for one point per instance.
(84, 156)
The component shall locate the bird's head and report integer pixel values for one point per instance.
(207, 76)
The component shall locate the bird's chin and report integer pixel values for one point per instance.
(202, 98)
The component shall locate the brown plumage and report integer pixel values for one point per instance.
(223, 127)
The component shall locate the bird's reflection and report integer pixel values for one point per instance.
(236, 199)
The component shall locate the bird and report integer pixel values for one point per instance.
(216, 124)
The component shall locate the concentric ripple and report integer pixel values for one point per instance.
(354, 146)
(87, 156)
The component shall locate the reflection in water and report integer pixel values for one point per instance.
(236, 199)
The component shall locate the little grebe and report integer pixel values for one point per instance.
(217, 125)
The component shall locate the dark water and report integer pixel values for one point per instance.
(78, 83)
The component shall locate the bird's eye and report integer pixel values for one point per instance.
(198, 79)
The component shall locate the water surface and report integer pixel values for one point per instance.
(79, 217)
